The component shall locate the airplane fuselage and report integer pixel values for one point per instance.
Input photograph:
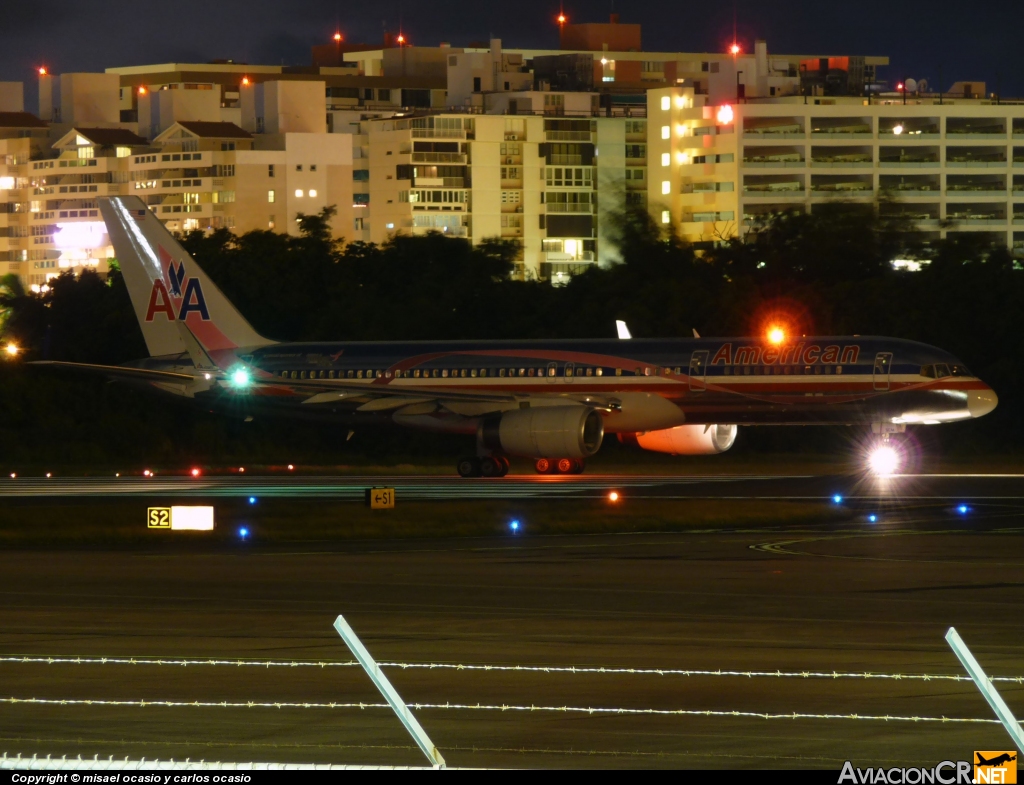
(806, 380)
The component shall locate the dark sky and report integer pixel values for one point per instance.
(980, 40)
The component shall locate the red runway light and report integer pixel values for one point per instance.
(241, 469)
(291, 467)
(613, 496)
(195, 472)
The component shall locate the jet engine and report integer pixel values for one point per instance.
(544, 432)
(689, 439)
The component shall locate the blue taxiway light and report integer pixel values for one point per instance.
(514, 526)
(837, 499)
(872, 518)
(243, 532)
(252, 500)
(963, 509)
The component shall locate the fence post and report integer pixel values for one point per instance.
(972, 667)
(390, 695)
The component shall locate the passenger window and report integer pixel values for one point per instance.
(350, 374)
(531, 372)
(501, 372)
(444, 373)
(483, 372)
(590, 371)
(522, 372)
(817, 370)
(599, 371)
(302, 375)
(618, 372)
(471, 373)
(839, 369)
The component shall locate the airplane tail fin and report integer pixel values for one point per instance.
(168, 287)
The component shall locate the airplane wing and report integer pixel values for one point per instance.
(374, 397)
(121, 371)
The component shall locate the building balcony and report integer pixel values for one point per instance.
(773, 134)
(439, 158)
(439, 182)
(966, 163)
(774, 163)
(777, 192)
(909, 163)
(844, 189)
(969, 192)
(438, 133)
(853, 163)
(569, 136)
(865, 134)
(561, 207)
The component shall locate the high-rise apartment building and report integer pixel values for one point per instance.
(946, 163)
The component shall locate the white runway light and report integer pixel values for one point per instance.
(884, 461)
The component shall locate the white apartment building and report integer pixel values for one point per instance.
(949, 164)
(195, 174)
(537, 179)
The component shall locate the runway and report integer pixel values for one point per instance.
(822, 599)
(917, 487)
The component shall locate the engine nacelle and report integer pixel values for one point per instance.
(544, 432)
(689, 439)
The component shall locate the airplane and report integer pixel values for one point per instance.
(552, 401)
(999, 760)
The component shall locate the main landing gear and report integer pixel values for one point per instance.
(488, 466)
(560, 466)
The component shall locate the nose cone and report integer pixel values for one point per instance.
(981, 402)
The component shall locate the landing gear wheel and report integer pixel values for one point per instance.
(565, 466)
(469, 467)
(504, 466)
(490, 467)
(543, 466)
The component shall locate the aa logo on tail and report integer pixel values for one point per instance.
(187, 301)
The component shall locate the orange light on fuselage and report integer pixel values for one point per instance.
(776, 335)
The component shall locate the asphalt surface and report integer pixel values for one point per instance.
(919, 487)
(850, 597)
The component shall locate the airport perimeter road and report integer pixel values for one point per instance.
(854, 598)
(732, 486)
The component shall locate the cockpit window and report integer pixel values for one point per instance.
(941, 370)
(959, 370)
(928, 370)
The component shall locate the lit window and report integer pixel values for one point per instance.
(271, 197)
(666, 132)
(666, 159)
(666, 103)
(666, 187)
(298, 192)
(391, 226)
(124, 152)
(666, 217)
(312, 193)
(680, 101)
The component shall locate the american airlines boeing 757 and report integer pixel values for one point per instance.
(553, 401)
